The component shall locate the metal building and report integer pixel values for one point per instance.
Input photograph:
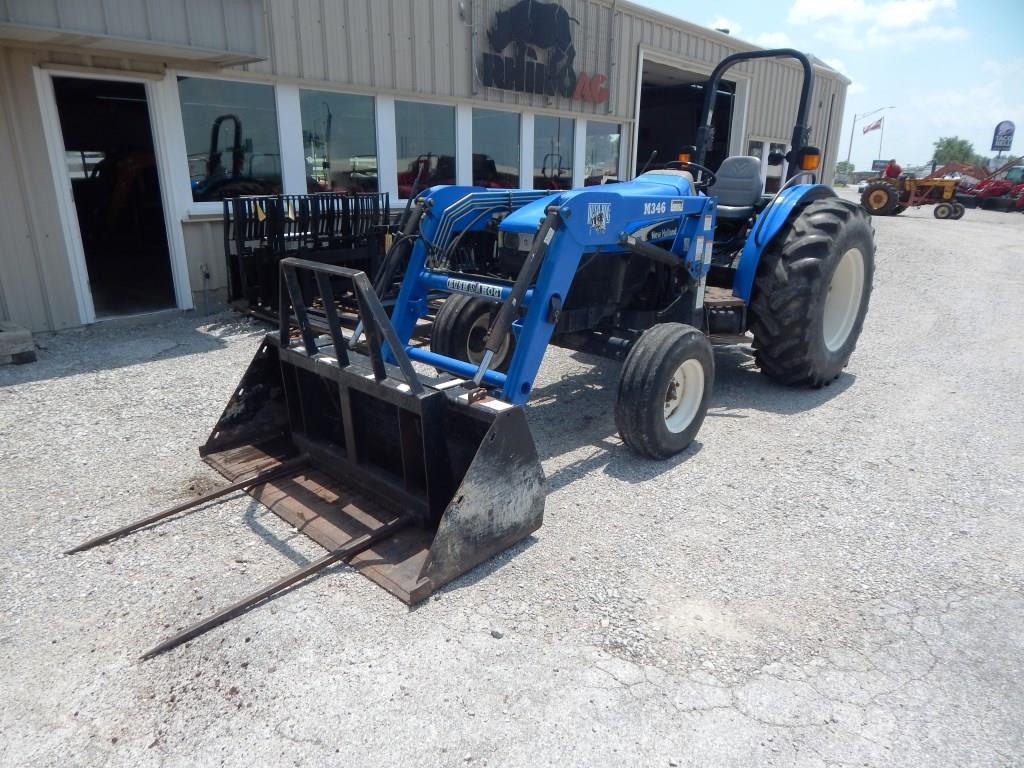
(123, 123)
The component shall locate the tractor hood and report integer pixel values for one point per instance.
(667, 184)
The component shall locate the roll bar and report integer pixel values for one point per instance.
(214, 158)
(801, 130)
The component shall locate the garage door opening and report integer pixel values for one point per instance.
(670, 104)
(108, 150)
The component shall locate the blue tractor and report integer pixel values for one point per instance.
(414, 478)
(650, 271)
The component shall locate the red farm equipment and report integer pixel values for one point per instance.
(1002, 190)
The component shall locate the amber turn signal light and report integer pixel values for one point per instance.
(810, 158)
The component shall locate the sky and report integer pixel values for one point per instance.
(948, 67)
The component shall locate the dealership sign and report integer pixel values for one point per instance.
(532, 51)
(1002, 138)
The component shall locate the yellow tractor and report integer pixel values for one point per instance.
(889, 197)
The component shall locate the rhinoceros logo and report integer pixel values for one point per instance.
(534, 27)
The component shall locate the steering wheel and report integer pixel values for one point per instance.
(707, 175)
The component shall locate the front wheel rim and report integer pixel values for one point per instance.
(842, 304)
(475, 342)
(684, 395)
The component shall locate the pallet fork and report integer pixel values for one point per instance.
(411, 482)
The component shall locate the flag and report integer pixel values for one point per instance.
(874, 126)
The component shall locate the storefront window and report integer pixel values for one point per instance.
(339, 138)
(230, 138)
(425, 136)
(552, 152)
(495, 149)
(602, 155)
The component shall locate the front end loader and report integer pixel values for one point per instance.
(400, 474)
(414, 463)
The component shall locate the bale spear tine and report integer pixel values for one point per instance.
(345, 552)
(257, 479)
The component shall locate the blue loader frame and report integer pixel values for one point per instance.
(582, 221)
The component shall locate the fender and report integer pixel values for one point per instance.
(768, 224)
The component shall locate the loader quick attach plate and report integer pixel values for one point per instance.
(380, 445)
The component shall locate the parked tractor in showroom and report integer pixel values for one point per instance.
(891, 197)
(415, 474)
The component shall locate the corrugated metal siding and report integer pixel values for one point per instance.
(425, 47)
(234, 29)
(21, 297)
(414, 46)
(35, 273)
(205, 239)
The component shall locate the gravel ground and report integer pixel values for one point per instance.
(827, 578)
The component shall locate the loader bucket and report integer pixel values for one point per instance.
(374, 444)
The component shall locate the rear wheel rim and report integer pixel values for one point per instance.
(477, 338)
(878, 198)
(842, 304)
(684, 395)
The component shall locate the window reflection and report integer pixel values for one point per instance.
(773, 174)
(552, 152)
(83, 165)
(339, 136)
(495, 149)
(230, 138)
(602, 152)
(425, 139)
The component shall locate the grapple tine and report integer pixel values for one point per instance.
(343, 553)
(258, 479)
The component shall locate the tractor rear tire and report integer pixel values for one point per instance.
(811, 293)
(880, 199)
(944, 211)
(460, 330)
(664, 390)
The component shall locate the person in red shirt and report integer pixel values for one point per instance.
(892, 170)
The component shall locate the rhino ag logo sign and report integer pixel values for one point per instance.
(543, 54)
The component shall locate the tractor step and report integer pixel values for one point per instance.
(725, 316)
(721, 298)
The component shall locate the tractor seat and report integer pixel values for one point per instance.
(737, 186)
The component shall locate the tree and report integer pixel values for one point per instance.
(950, 149)
(843, 168)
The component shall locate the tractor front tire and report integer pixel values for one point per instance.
(880, 199)
(811, 293)
(958, 210)
(460, 330)
(664, 390)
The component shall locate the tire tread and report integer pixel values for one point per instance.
(787, 291)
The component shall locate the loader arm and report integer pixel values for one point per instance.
(615, 220)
